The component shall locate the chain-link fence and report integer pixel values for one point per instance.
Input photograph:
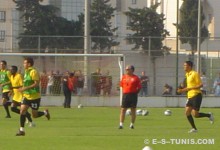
(165, 68)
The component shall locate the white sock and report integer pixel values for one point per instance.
(121, 124)
(131, 124)
(45, 112)
(21, 129)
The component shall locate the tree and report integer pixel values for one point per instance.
(39, 20)
(188, 26)
(101, 27)
(147, 25)
(148, 28)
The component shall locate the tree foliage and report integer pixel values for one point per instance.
(188, 26)
(42, 20)
(101, 26)
(147, 25)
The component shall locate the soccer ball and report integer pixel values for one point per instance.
(128, 112)
(139, 112)
(145, 112)
(167, 112)
(147, 148)
(80, 106)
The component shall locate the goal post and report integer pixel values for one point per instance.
(44, 59)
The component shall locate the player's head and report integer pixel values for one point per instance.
(129, 69)
(28, 62)
(3, 64)
(14, 69)
(188, 65)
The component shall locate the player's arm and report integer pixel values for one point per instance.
(3, 84)
(9, 82)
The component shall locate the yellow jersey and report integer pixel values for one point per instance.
(32, 76)
(193, 79)
(5, 78)
(16, 82)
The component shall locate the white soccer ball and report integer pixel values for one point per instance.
(147, 148)
(139, 112)
(128, 112)
(80, 106)
(167, 112)
(145, 112)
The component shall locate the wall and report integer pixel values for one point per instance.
(115, 102)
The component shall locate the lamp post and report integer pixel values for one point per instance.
(177, 43)
(198, 37)
(86, 39)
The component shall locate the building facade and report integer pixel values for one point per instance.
(11, 25)
(6, 25)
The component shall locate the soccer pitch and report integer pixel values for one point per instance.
(96, 128)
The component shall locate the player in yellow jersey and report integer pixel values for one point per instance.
(5, 84)
(31, 94)
(194, 96)
(16, 83)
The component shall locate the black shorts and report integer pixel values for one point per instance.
(34, 104)
(16, 103)
(129, 100)
(5, 96)
(195, 102)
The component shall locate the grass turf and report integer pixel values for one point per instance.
(96, 128)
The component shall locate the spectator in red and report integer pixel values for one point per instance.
(43, 82)
(69, 82)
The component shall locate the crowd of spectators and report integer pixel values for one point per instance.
(52, 83)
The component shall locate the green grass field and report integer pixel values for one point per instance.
(96, 128)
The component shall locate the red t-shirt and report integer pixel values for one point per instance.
(130, 83)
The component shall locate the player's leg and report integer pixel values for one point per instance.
(23, 110)
(197, 114)
(122, 117)
(35, 104)
(14, 107)
(6, 103)
(124, 106)
(133, 105)
(30, 120)
(188, 111)
(133, 117)
(196, 107)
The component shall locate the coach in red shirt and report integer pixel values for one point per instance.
(131, 85)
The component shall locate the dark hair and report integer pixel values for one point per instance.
(132, 67)
(4, 62)
(71, 74)
(190, 63)
(15, 68)
(30, 60)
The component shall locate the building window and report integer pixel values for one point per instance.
(2, 16)
(134, 1)
(2, 35)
